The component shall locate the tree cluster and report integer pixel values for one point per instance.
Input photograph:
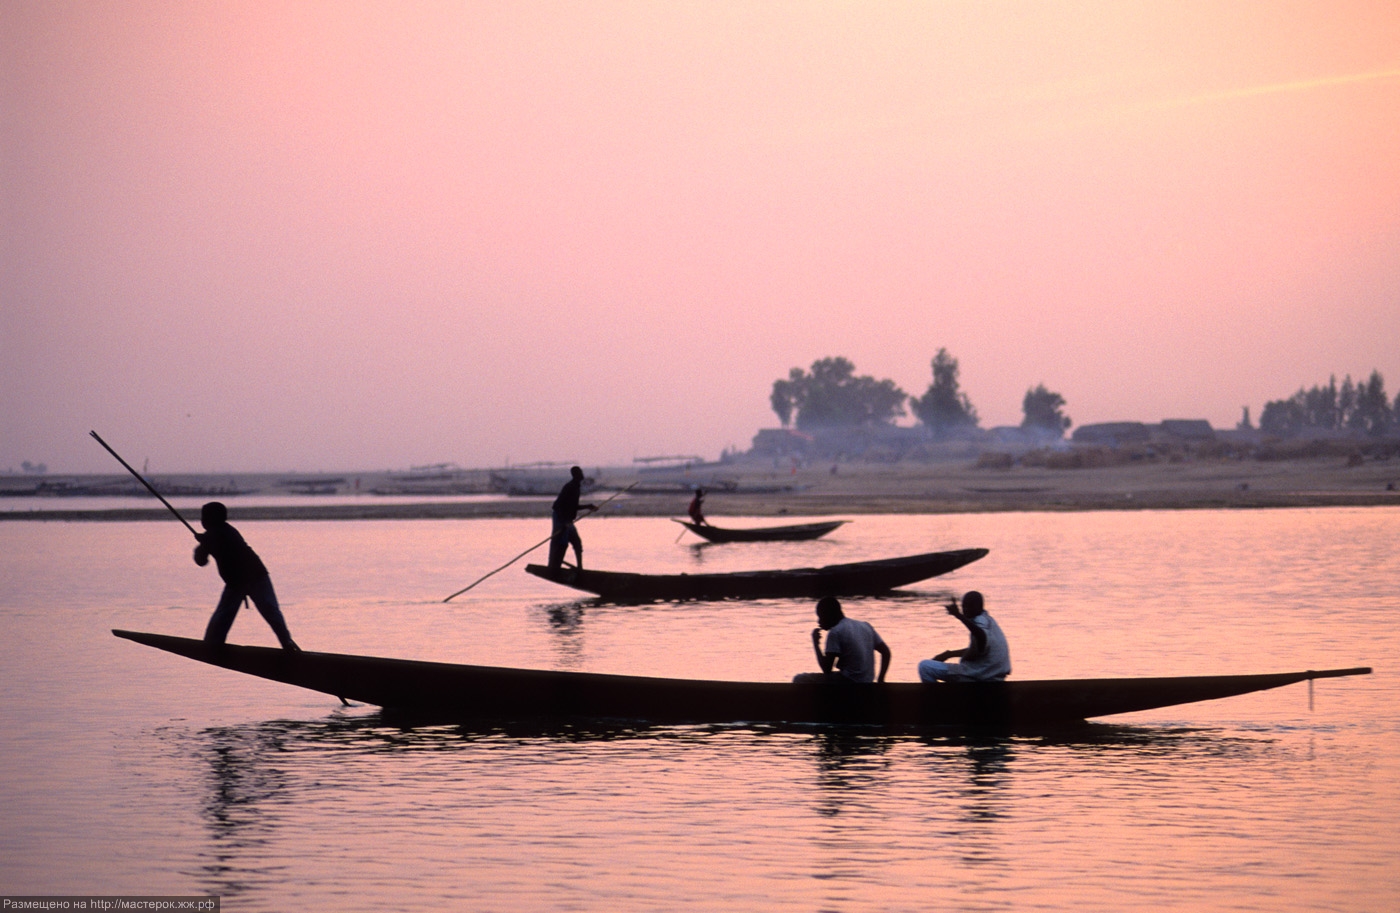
(1044, 411)
(944, 409)
(1357, 407)
(831, 395)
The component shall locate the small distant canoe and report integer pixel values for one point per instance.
(860, 578)
(797, 533)
(446, 691)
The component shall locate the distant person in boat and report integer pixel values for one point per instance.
(244, 575)
(850, 647)
(565, 511)
(696, 509)
(986, 658)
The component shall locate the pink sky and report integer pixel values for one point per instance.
(342, 235)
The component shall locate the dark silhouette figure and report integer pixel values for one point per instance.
(244, 575)
(696, 508)
(850, 647)
(986, 658)
(565, 511)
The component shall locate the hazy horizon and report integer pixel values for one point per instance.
(316, 236)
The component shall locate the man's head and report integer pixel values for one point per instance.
(972, 604)
(576, 472)
(829, 612)
(213, 514)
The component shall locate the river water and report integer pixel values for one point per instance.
(125, 770)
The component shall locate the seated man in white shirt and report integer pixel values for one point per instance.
(986, 658)
(850, 648)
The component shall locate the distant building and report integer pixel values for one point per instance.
(1127, 434)
(777, 442)
(1112, 434)
(1024, 437)
(873, 441)
(1187, 429)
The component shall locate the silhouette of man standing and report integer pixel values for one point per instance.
(565, 512)
(244, 575)
(696, 509)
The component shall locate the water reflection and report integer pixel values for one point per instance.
(273, 785)
(766, 554)
(848, 762)
(566, 630)
(698, 552)
(842, 753)
(988, 772)
(978, 779)
(244, 781)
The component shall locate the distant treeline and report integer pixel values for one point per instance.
(1361, 408)
(830, 395)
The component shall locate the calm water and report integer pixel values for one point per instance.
(126, 770)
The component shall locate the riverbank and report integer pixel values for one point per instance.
(751, 490)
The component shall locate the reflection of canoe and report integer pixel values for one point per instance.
(798, 533)
(856, 579)
(446, 691)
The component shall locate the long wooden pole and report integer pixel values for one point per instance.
(532, 548)
(148, 485)
(499, 569)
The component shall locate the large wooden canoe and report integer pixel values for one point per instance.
(800, 532)
(445, 691)
(860, 578)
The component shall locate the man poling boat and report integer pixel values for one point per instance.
(527, 551)
(243, 572)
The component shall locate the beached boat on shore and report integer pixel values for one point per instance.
(800, 532)
(446, 691)
(860, 578)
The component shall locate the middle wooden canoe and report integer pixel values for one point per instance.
(860, 578)
(800, 532)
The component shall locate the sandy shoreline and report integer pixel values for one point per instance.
(937, 488)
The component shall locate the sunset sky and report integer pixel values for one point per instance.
(353, 235)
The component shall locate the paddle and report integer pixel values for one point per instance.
(148, 485)
(535, 546)
(685, 528)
